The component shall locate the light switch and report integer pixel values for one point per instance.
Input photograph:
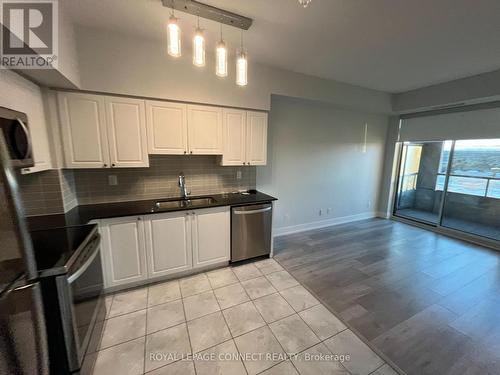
(238, 174)
(112, 180)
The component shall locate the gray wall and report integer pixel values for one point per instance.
(388, 179)
(316, 161)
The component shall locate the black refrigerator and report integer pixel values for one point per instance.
(23, 344)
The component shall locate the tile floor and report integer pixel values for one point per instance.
(250, 319)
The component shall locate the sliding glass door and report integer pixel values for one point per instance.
(423, 167)
(472, 199)
(451, 184)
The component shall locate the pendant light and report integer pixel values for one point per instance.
(173, 36)
(199, 46)
(304, 3)
(241, 65)
(221, 57)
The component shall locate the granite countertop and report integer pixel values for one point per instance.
(82, 214)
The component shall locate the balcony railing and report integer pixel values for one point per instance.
(471, 185)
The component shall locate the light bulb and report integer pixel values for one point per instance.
(241, 68)
(221, 59)
(199, 48)
(174, 37)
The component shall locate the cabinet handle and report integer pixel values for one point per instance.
(185, 152)
(112, 165)
(187, 213)
(248, 163)
(191, 152)
(104, 165)
(139, 219)
(244, 163)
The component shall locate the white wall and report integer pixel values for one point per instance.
(67, 74)
(470, 90)
(115, 63)
(19, 94)
(316, 161)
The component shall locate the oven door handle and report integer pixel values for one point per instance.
(28, 138)
(83, 268)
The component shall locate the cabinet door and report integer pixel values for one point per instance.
(204, 130)
(256, 138)
(234, 126)
(83, 128)
(167, 127)
(211, 236)
(168, 243)
(127, 132)
(123, 251)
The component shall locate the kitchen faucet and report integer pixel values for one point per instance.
(182, 185)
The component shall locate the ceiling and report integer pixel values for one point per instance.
(388, 45)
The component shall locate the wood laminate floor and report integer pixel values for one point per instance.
(429, 303)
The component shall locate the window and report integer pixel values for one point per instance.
(475, 169)
(494, 189)
(412, 164)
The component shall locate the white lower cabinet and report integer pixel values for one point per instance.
(168, 243)
(123, 251)
(211, 236)
(135, 249)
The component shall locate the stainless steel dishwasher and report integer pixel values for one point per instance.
(251, 231)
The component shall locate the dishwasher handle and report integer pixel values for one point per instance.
(252, 211)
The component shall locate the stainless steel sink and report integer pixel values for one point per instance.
(183, 203)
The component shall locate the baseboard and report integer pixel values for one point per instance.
(325, 223)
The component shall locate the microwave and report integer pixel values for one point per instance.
(14, 127)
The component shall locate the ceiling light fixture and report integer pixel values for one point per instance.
(304, 3)
(173, 36)
(198, 46)
(221, 57)
(241, 65)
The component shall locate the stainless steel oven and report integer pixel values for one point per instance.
(73, 295)
(80, 298)
(14, 126)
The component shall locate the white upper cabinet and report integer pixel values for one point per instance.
(256, 145)
(211, 236)
(167, 127)
(245, 137)
(111, 132)
(127, 132)
(234, 126)
(83, 128)
(103, 132)
(168, 243)
(204, 130)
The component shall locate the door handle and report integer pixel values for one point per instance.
(252, 211)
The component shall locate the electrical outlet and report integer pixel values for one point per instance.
(320, 212)
(238, 174)
(112, 180)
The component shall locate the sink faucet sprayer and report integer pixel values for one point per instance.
(182, 186)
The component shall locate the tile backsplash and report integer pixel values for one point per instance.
(58, 191)
(41, 192)
(203, 174)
